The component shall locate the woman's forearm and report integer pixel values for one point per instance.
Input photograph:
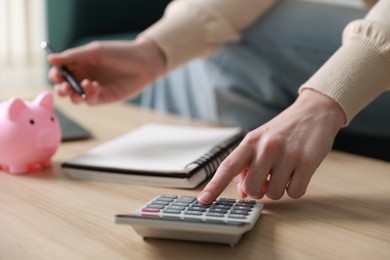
(360, 70)
(196, 28)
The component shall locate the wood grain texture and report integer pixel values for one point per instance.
(46, 215)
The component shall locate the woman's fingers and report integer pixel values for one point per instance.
(229, 168)
(54, 75)
(238, 180)
(74, 55)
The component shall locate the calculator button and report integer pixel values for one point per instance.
(186, 199)
(172, 211)
(252, 202)
(221, 206)
(229, 203)
(196, 203)
(192, 212)
(241, 204)
(227, 200)
(201, 209)
(215, 214)
(237, 216)
(155, 206)
(158, 202)
(170, 196)
(185, 204)
(242, 208)
(239, 212)
(150, 210)
(218, 210)
(192, 219)
(164, 199)
(176, 207)
(172, 217)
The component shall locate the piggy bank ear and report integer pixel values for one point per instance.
(45, 99)
(15, 108)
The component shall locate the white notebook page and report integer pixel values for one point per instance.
(156, 147)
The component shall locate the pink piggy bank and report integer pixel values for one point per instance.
(29, 134)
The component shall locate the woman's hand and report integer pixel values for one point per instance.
(109, 71)
(283, 154)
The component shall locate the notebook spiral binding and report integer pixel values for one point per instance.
(213, 158)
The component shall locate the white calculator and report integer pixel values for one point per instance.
(184, 218)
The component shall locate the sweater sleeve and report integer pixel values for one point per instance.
(197, 28)
(360, 69)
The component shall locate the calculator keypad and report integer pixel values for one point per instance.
(225, 210)
(184, 218)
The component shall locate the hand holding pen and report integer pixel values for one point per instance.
(108, 71)
(65, 73)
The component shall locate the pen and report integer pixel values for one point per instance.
(65, 73)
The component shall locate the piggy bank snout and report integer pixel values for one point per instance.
(49, 138)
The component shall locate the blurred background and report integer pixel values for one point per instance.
(64, 23)
(67, 23)
(22, 27)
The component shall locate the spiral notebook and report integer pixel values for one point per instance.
(158, 155)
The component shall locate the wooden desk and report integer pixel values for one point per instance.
(46, 215)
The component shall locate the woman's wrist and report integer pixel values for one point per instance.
(155, 54)
(325, 108)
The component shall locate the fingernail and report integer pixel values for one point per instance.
(204, 196)
(85, 82)
(63, 86)
(239, 190)
(238, 187)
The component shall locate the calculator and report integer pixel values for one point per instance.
(170, 216)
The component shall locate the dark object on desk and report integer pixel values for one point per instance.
(374, 147)
(71, 130)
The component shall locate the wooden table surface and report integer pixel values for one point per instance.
(46, 215)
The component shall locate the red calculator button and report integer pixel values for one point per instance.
(150, 210)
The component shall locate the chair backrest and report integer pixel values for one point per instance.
(71, 20)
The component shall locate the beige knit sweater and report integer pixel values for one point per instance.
(354, 76)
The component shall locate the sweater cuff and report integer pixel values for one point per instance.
(358, 72)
